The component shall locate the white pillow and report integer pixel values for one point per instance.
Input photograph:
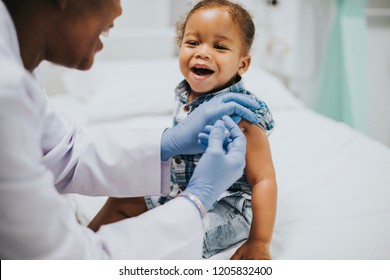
(114, 90)
(117, 89)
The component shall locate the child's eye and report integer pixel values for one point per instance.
(192, 43)
(220, 47)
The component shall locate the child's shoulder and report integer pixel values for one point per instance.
(266, 120)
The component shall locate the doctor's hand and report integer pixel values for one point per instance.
(183, 138)
(222, 163)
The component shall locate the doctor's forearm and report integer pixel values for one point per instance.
(171, 231)
(110, 162)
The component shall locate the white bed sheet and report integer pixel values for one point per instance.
(333, 182)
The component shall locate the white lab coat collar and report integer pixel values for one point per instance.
(9, 44)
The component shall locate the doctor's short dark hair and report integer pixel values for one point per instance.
(238, 14)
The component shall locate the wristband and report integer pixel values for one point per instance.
(199, 205)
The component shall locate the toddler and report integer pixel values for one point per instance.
(214, 43)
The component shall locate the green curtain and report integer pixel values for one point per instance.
(343, 86)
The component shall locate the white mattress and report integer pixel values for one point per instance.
(333, 182)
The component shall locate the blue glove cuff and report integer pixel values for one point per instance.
(165, 148)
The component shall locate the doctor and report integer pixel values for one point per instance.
(43, 155)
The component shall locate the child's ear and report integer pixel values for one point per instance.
(244, 64)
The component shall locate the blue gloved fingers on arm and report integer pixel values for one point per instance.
(232, 131)
(248, 101)
(218, 167)
(217, 137)
(203, 140)
(183, 138)
(235, 133)
(203, 137)
(236, 118)
(229, 132)
(238, 112)
(208, 129)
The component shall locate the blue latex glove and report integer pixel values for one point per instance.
(183, 138)
(221, 165)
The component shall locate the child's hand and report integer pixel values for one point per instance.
(252, 250)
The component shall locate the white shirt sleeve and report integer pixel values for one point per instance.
(115, 161)
(38, 223)
(159, 235)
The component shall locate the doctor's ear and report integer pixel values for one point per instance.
(244, 64)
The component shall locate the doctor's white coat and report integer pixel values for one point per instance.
(43, 155)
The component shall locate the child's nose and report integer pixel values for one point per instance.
(203, 51)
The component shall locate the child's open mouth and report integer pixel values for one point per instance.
(201, 71)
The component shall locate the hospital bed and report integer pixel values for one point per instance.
(333, 181)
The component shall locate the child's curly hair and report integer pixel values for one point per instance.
(238, 13)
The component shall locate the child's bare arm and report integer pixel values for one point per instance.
(261, 177)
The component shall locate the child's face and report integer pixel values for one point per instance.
(211, 53)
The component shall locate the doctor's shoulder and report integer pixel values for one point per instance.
(16, 83)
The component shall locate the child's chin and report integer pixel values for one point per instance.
(201, 91)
